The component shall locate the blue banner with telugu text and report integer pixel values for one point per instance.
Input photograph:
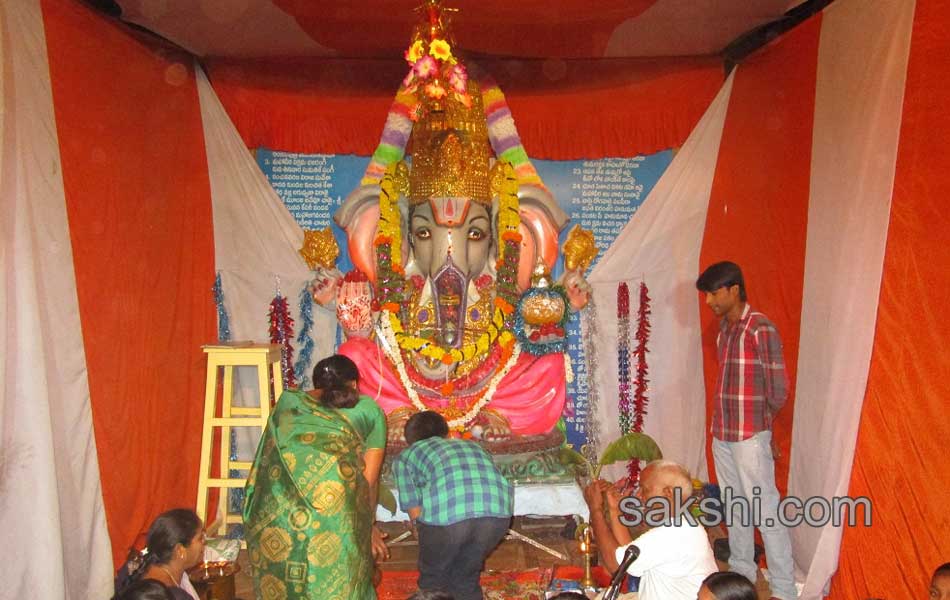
(600, 195)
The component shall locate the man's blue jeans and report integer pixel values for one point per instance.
(744, 466)
(451, 557)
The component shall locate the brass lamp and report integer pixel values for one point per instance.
(585, 540)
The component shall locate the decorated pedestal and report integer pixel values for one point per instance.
(523, 460)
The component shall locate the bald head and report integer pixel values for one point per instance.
(661, 477)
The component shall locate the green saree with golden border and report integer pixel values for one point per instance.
(307, 519)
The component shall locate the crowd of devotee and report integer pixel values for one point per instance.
(309, 509)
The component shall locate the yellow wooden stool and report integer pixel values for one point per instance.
(224, 357)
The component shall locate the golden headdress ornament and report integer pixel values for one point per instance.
(451, 152)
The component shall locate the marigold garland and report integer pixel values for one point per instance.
(450, 356)
(505, 184)
(391, 348)
(390, 277)
(447, 388)
(389, 226)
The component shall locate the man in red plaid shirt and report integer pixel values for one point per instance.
(751, 387)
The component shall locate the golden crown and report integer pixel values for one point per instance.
(451, 154)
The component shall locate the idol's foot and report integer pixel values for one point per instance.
(396, 424)
(495, 426)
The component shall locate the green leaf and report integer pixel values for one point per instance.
(633, 445)
(386, 498)
(570, 457)
(573, 459)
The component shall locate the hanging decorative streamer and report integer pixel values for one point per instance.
(281, 333)
(640, 384)
(592, 429)
(224, 322)
(623, 358)
(304, 341)
(235, 495)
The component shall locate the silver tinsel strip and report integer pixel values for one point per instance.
(591, 449)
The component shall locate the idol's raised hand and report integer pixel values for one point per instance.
(354, 300)
(324, 286)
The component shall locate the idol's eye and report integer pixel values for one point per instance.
(422, 233)
(475, 234)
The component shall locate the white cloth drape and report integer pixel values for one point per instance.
(256, 239)
(51, 510)
(660, 246)
(862, 64)
(256, 242)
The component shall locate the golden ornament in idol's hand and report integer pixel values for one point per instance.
(319, 248)
(579, 249)
(543, 309)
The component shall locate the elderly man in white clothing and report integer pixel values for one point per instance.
(675, 555)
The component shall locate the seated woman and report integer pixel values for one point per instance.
(175, 542)
(310, 499)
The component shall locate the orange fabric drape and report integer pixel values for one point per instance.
(758, 208)
(139, 209)
(900, 460)
(563, 109)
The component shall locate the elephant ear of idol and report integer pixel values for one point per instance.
(542, 220)
(538, 202)
(358, 216)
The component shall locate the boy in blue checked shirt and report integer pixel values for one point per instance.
(460, 503)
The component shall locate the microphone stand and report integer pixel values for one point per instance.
(613, 590)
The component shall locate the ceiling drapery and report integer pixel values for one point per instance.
(563, 109)
(497, 28)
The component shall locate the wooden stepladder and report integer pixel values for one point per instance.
(223, 358)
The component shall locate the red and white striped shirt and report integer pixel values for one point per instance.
(752, 384)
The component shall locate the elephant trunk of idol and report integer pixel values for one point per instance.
(449, 287)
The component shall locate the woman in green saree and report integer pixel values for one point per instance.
(310, 498)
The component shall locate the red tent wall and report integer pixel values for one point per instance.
(758, 208)
(900, 461)
(139, 207)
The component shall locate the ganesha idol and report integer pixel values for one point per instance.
(452, 309)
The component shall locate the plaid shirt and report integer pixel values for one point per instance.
(452, 480)
(752, 384)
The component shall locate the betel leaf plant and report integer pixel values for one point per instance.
(628, 447)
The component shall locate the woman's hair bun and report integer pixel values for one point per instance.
(335, 377)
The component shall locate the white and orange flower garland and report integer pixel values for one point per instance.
(391, 348)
